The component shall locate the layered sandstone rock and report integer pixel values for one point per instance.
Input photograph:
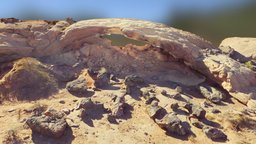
(170, 52)
(244, 45)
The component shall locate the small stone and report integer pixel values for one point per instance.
(215, 111)
(144, 92)
(74, 125)
(11, 110)
(178, 89)
(131, 82)
(206, 104)
(195, 110)
(164, 92)
(195, 122)
(214, 133)
(23, 120)
(117, 107)
(62, 102)
(174, 106)
(26, 137)
(154, 103)
(111, 118)
(84, 104)
(150, 99)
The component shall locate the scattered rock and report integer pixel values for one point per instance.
(62, 101)
(26, 137)
(84, 103)
(52, 123)
(214, 133)
(96, 79)
(71, 123)
(11, 110)
(103, 78)
(211, 94)
(12, 137)
(164, 93)
(23, 120)
(195, 110)
(174, 106)
(151, 98)
(111, 118)
(77, 86)
(195, 122)
(215, 111)
(179, 89)
(206, 104)
(145, 92)
(117, 109)
(172, 124)
(154, 111)
(131, 82)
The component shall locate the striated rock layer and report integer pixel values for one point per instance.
(166, 49)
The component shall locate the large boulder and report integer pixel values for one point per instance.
(27, 79)
(154, 110)
(214, 133)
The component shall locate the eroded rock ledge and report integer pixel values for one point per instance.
(168, 49)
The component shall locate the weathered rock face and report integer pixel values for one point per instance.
(170, 52)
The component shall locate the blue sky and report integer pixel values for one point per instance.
(154, 10)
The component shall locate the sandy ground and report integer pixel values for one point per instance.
(135, 127)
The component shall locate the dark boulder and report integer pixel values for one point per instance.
(51, 123)
(172, 124)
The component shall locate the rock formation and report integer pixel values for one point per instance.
(63, 43)
(169, 78)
